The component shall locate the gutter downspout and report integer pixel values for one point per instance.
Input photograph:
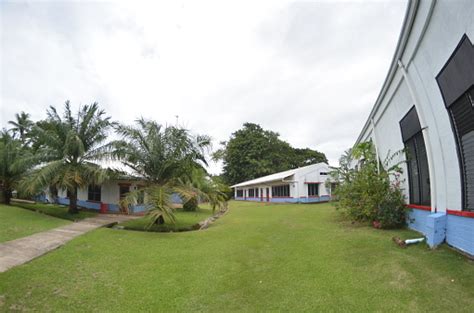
(426, 136)
(376, 145)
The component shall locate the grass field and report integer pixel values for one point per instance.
(59, 211)
(292, 258)
(16, 222)
(184, 221)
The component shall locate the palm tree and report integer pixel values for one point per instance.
(15, 161)
(70, 145)
(164, 157)
(21, 126)
(206, 188)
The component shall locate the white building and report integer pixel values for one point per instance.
(426, 105)
(105, 197)
(300, 185)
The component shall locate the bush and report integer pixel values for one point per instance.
(370, 192)
(191, 204)
(391, 212)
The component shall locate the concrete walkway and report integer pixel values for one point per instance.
(22, 250)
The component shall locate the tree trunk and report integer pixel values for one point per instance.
(73, 201)
(160, 220)
(7, 194)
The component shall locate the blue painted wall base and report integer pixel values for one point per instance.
(324, 198)
(457, 231)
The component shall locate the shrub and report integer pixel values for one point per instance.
(370, 192)
(191, 204)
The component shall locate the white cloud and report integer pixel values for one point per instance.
(308, 70)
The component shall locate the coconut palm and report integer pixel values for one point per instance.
(21, 126)
(70, 145)
(164, 157)
(15, 161)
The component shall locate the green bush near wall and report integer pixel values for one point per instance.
(370, 191)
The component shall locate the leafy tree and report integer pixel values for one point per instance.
(306, 156)
(370, 191)
(165, 157)
(15, 161)
(253, 152)
(21, 126)
(69, 145)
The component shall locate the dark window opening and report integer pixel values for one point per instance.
(462, 118)
(123, 190)
(251, 193)
(456, 83)
(256, 192)
(417, 160)
(313, 190)
(240, 193)
(281, 191)
(94, 193)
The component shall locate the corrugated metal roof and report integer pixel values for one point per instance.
(277, 176)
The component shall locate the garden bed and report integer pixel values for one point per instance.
(185, 221)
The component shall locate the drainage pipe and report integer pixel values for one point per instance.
(411, 241)
(376, 145)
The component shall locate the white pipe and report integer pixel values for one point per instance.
(411, 241)
(376, 145)
(426, 136)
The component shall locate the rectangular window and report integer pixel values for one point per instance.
(94, 193)
(456, 83)
(417, 160)
(123, 190)
(251, 193)
(240, 193)
(462, 118)
(281, 191)
(313, 190)
(256, 192)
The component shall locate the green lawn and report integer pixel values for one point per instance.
(59, 211)
(16, 222)
(290, 258)
(185, 221)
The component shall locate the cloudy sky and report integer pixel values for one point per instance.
(310, 70)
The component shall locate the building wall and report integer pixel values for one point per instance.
(110, 197)
(431, 42)
(449, 22)
(298, 188)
